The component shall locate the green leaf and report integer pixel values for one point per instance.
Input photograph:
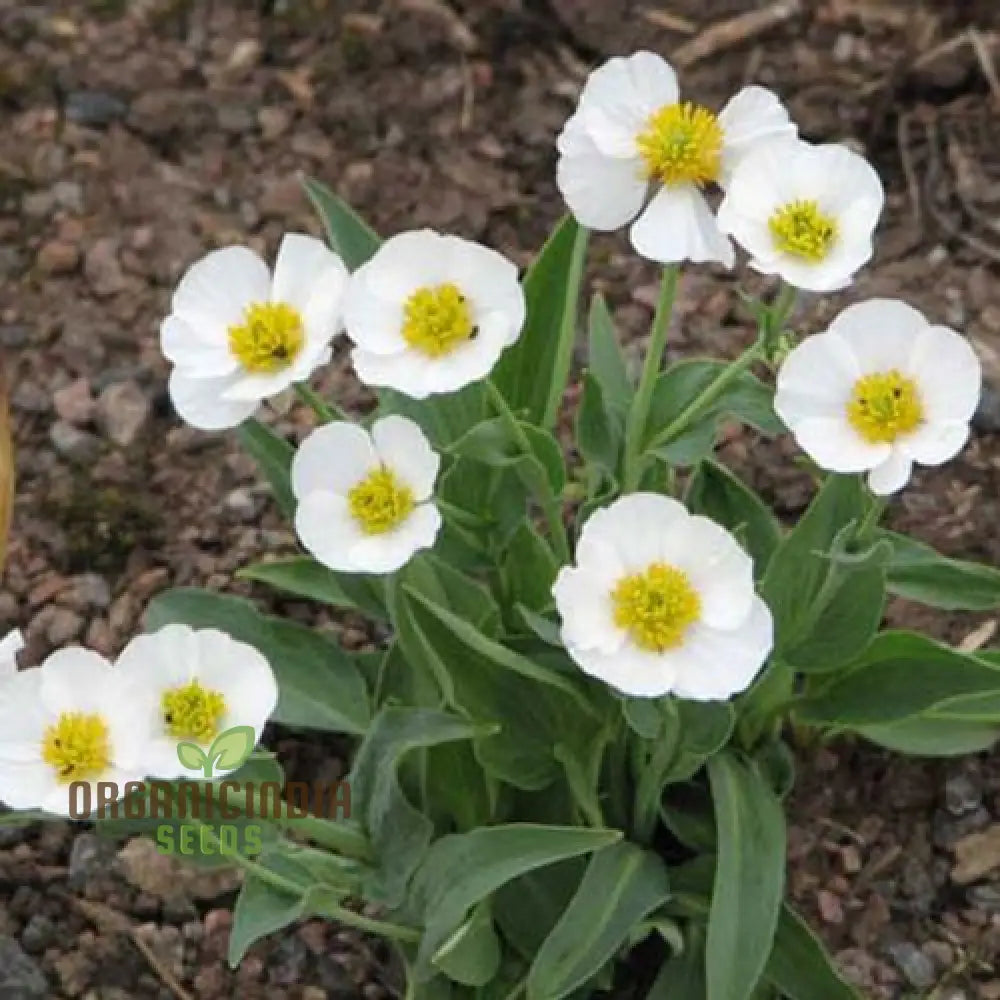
(605, 358)
(900, 675)
(191, 756)
(749, 878)
(799, 966)
(681, 977)
(348, 233)
(527, 372)
(530, 568)
(230, 748)
(717, 493)
(623, 884)
(400, 832)
(705, 728)
(934, 735)
(920, 574)
(747, 399)
(319, 686)
(304, 577)
(274, 456)
(471, 955)
(599, 429)
(461, 870)
(801, 565)
(444, 418)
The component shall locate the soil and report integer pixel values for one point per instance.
(137, 135)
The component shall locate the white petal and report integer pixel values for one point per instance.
(10, 646)
(403, 447)
(201, 349)
(892, 475)
(935, 443)
(583, 601)
(882, 333)
(390, 550)
(26, 784)
(816, 379)
(406, 262)
(949, 374)
(490, 282)
(216, 290)
(76, 680)
(719, 570)
(199, 401)
(678, 225)
(833, 444)
(326, 529)
(630, 670)
(23, 716)
(619, 97)
(715, 665)
(602, 192)
(333, 458)
(303, 265)
(632, 527)
(373, 321)
(754, 115)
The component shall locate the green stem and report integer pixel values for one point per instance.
(567, 329)
(872, 518)
(551, 507)
(639, 412)
(781, 308)
(650, 785)
(327, 412)
(342, 838)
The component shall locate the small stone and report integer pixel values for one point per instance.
(74, 970)
(37, 204)
(14, 335)
(58, 257)
(245, 55)
(281, 199)
(68, 195)
(962, 795)
(103, 269)
(235, 118)
(976, 855)
(90, 856)
(58, 625)
(178, 909)
(95, 108)
(20, 977)
(87, 591)
(243, 504)
(274, 122)
(39, 933)
(913, 963)
(985, 897)
(122, 411)
(78, 446)
(831, 909)
(288, 961)
(74, 403)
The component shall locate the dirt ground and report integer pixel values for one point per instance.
(136, 135)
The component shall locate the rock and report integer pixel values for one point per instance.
(14, 335)
(962, 795)
(976, 855)
(68, 195)
(95, 108)
(122, 411)
(74, 403)
(243, 504)
(235, 118)
(274, 122)
(178, 909)
(37, 204)
(913, 963)
(246, 54)
(164, 876)
(75, 971)
(20, 977)
(58, 257)
(78, 446)
(39, 933)
(87, 591)
(58, 625)
(102, 268)
(984, 897)
(90, 856)
(289, 960)
(281, 199)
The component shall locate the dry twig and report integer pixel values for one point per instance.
(669, 22)
(735, 31)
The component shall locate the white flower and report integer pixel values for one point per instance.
(805, 212)
(187, 685)
(10, 646)
(238, 335)
(63, 722)
(365, 500)
(432, 313)
(630, 130)
(880, 390)
(662, 602)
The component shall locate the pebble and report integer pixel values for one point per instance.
(90, 855)
(95, 108)
(75, 971)
(103, 269)
(58, 257)
(243, 504)
(58, 625)
(913, 963)
(235, 118)
(68, 195)
(14, 335)
(962, 795)
(984, 897)
(78, 446)
(39, 933)
(122, 411)
(20, 977)
(976, 855)
(289, 960)
(87, 591)
(74, 403)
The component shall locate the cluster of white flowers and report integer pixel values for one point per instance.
(658, 601)
(80, 718)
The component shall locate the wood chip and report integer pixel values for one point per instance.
(735, 31)
(979, 637)
(976, 855)
(670, 22)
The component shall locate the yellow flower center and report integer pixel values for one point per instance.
(656, 607)
(681, 143)
(77, 747)
(437, 319)
(380, 502)
(192, 712)
(269, 338)
(802, 230)
(885, 406)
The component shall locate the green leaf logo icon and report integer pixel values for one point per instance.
(228, 751)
